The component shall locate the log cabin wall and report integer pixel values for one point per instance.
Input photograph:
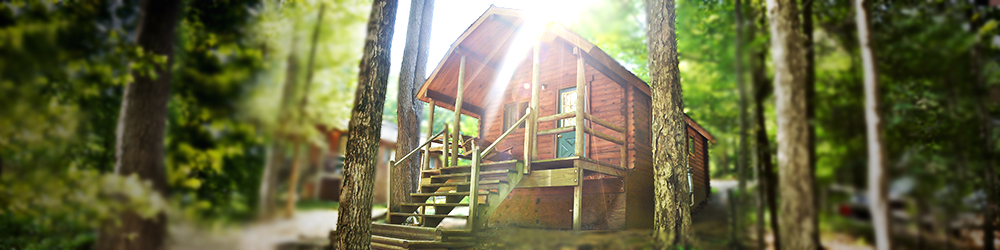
(696, 159)
(639, 181)
(558, 71)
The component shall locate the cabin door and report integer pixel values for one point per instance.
(566, 142)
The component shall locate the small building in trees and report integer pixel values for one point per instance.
(564, 143)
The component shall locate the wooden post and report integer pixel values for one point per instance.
(577, 199)
(426, 164)
(457, 135)
(624, 148)
(531, 131)
(473, 187)
(580, 103)
(446, 145)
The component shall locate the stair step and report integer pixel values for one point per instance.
(435, 204)
(481, 192)
(382, 246)
(430, 215)
(404, 232)
(456, 184)
(467, 174)
(487, 166)
(417, 244)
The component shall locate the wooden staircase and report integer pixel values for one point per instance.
(441, 191)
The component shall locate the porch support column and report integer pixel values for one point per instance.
(426, 164)
(580, 103)
(578, 199)
(456, 135)
(531, 130)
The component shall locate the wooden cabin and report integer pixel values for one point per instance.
(565, 143)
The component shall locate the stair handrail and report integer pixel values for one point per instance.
(429, 140)
(487, 151)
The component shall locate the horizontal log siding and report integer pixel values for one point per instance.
(558, 71)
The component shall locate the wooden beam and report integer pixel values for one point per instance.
(603, 123)
(481, 59)
(531, 135)
(473, 187)
(441, 97)
(556, 131)
(556, 117)
(430, 131)
(578, 200)
(458, 112)
(560, 177)
(578, 121)
(591, 165)
(475, 74)
(605, 136)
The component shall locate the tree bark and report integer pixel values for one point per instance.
(795, 178)
(420, 75)
(807, 31)
(276, 152)
(988, 158)
(408, 111)
(765, 167)
(877, 176)
(354, 216)
(741, 163)
(141, 128)
(293, 177)
(672, 220)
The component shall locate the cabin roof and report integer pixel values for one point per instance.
(485, 44)
(698, 128)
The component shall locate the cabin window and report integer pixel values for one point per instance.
(567, 104)
(509, 115)
(513, 112)
(691, 145)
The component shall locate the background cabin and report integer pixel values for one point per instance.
(564, 143)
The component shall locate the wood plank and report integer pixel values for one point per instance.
(556, 131)
(596, 166)
(551, 178)
(556, 117)
(578, 119)
(605, 136)
(603, 123)
(458, 114)
(577, 201)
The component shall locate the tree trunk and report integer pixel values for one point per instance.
(276, 153)
(141, 128)
(354, 218)
(807, 30)
(795, 178)
(672, 220)
(765, 167)
(741, 163)
(420, 73)
(408, 111)
(986, 131)
(877, 176)
(293, 177)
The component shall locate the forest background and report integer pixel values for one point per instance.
(63, 66)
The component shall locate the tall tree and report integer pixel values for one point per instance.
(877, 177)
(293, 177)
(672, 220)
(807, 31)
(408, 110)
(354, 216)
(762, 90)
(798, 220)
(743, 159)
(141, 127)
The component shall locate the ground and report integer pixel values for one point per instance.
(311, 225)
